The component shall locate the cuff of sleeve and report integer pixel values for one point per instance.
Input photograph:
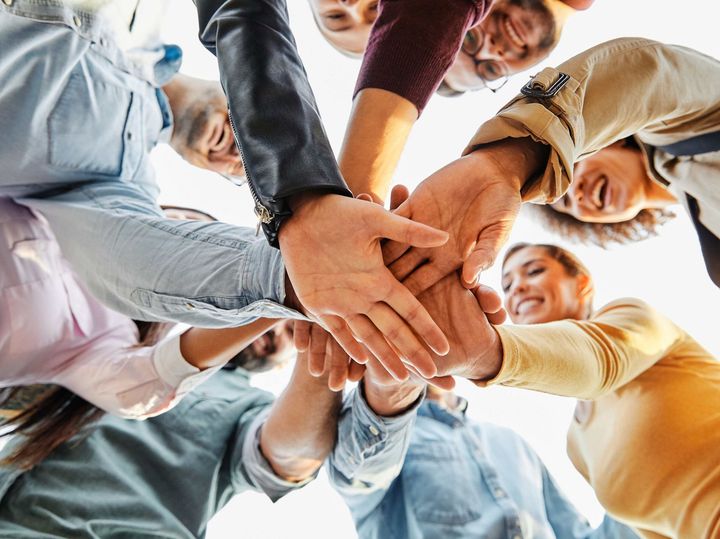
(174, 370)
(542, 121)
(414, 68)
(259, 470)
(370, 428)
(263, 281)
(509, 364)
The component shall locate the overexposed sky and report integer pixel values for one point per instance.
(667, 272)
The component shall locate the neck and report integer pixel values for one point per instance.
(658, 196)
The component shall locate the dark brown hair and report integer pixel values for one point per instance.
(644, 225)
(51, 415)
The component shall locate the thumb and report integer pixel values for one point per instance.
(485, 250)
(400, 229)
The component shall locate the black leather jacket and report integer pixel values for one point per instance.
(272, 108)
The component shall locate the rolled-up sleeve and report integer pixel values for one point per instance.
(370, 451)
(662, 93)
(258, 470)
(135, 382)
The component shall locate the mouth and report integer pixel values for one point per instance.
(526, 305)
(513, 32)
(600, 194)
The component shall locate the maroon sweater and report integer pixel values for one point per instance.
(414, 42)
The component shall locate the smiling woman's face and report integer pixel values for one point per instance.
(346, 24)
(538, 288)
(608, 187)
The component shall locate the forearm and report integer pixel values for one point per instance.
(616, 89)
(413, 43)
(378, 129)
(206, 348)
(272, 107)
(586, 359)
(300, 431)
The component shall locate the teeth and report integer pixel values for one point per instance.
(526, 304)
(597, 188)
(514, 36)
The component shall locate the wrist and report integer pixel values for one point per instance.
(291, 299)
(488, 365)
(389, 401)
(517, 160)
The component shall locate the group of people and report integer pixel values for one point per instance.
(123, 424)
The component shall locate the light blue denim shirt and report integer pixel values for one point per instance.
(79, 118)
(163, 477)
(432, 473)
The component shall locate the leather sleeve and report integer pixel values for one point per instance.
(272, 108)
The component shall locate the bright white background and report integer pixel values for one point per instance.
(667, 272)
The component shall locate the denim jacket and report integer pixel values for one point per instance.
(432, 473)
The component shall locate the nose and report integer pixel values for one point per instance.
(491, 49)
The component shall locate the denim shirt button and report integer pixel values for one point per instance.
(77, 21)
(190, 306)
(8, 2)
(499, 493)
(373, 430)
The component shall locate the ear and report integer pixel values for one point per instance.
(585, 286)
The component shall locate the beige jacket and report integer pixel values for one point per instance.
(660, 93)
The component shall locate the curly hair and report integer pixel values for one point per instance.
(644, 225)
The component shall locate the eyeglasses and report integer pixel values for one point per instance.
(494, 74)
(238, 181)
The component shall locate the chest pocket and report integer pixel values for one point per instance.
(95, 128)
(441, 484)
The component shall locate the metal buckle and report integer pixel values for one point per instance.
(529, 91)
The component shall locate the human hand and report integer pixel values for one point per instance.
(467, 317)
(325, 356)
(331, 248)
(476, 200)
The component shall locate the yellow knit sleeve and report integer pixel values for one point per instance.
(586, 358)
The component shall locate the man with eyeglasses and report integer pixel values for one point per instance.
(516, 35)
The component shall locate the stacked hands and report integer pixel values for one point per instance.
(398, 291)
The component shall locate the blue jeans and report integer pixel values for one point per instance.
(78, 120)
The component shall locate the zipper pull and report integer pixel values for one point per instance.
(264, 217)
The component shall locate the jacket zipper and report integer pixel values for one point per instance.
(264, 215)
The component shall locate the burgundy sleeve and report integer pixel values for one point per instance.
(414, 42)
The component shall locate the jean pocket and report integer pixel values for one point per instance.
(95, 127)
(441, 484)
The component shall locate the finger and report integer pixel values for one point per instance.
(339, 363)
(446, 383)
(365, 197)
(356, 371)
(301, 335)
(398, 195)
(376, 343)
(407, 263)
(426, 276)
(409, 308)
(317, 353)
(486, 249)
(497, 318)
(394, 227)
(489, 300)
(341, 332)
(392, 251)
(402, 339)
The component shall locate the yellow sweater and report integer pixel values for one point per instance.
(649, 442)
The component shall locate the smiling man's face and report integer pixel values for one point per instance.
(516, 35)
(202, 134)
